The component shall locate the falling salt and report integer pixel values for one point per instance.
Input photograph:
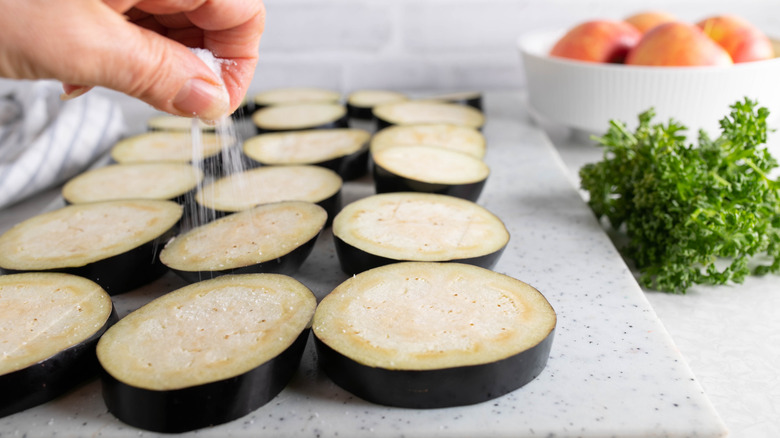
(231, 162)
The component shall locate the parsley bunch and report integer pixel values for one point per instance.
(686, 207)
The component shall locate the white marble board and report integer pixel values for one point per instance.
(613, 369)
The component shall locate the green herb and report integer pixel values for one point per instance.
(705, 214)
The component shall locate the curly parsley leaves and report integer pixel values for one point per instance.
(705, 214)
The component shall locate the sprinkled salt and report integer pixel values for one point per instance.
(208, 58)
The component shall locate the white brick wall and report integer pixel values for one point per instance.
(437, 44)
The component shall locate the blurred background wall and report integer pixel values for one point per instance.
(442, 45)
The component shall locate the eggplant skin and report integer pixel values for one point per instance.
(123, 272)
(440, 388)
(288, 264)
(386, 181)
(360, 112)
(187, 409)
(52, 377)
(354, 260)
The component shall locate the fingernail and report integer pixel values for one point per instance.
(202, 99)
(73, 92)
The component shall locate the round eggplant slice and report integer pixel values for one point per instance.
(393, 227)
(268, 184)
(457, 138)
(360, 104)
(285, 96)
(49, 326)
(429, 169)
(114, 243)
(164, 181)
(296, 117)
(168, 122)
(207, 353)
(344, 151)
(275, 238)
(416, 112)
(433, 335)
(174, 146)
(468, 98)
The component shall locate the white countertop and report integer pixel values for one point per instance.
(729, 335)
(613, 370)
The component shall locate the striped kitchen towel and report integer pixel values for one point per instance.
(45, 141)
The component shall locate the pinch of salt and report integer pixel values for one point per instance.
(208, 58)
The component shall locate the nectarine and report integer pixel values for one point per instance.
(647, 20)
(743, 41)
(597, 41)
(677, 44)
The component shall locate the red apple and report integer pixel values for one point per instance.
(647, 20)
(677, 44)
(597, 41)
(743, 41)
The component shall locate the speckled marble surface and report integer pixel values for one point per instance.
(613, 369)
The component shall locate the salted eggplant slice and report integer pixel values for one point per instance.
(164, 181)
(49, 326)
(264, 185)
(416, 112)
(113, 243)
(429, 169)
(300, 116)
(169, 122)
(275, 238)
(433, 335)
(360, 103)
(175, 146)
(344, 151)
(457, 138)
(294, 95)
(207, 353)
(404, 226)
(468, 98)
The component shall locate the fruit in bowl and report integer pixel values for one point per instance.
(597, 41)
(677, 44)
(743, 41)
(658, 38)
(646, 20)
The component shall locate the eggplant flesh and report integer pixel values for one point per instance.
(287, 264)
(186, 409)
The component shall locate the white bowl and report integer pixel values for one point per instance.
(585, 96)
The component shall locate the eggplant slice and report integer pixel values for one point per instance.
(294, 95)
(430, 169)
(360, 103)
(344, 151)
(457, 138)
(207, 353)
(404, 226)
(468, 98)
(268, 184)
(275, 238)
(163, 181)
(168, 122)
(113, 243)
(416, 112)
(300, 116)
(174, 146)
(433, 335)
(49, 326)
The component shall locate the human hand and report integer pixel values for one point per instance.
(138, 47)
